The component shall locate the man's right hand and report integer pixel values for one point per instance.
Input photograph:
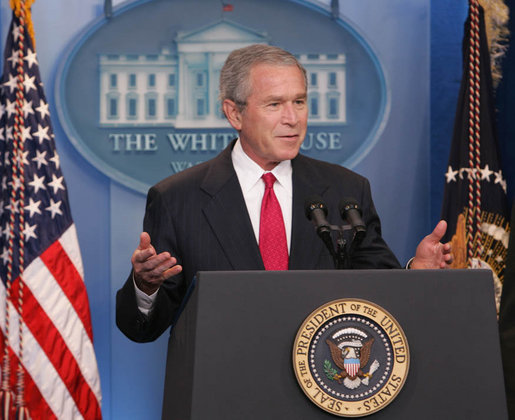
(152, 269)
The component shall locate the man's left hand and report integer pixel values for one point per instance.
(431, 253)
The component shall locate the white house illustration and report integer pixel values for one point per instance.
(181, 89)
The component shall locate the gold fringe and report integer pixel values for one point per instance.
(17, 5)
(497, 33)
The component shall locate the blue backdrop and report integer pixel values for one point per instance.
(418, 46)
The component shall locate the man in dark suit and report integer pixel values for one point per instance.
(208, 217)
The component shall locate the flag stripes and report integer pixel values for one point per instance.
(45, 348)
(39, 370)
(58, 353)
(64, 273)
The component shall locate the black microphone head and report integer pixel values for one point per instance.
(351, 212)
(314, 202)
(346, 204)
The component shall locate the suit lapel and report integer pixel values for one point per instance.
(224, 214)
(306, 247)
(235, 234)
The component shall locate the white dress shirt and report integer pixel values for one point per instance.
(249, 175)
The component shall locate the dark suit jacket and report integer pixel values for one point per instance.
(200, 217)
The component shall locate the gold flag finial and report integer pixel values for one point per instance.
(17, 6)
(497, 15)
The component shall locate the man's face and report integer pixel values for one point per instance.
(273, 123)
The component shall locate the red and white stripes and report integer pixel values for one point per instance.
(59, 357)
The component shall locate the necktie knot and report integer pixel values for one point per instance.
(269, 180)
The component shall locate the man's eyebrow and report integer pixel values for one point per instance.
(278, 98)
(273, 98)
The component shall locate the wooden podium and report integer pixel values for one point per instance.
(230, 353)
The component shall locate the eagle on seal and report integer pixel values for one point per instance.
(351, 360)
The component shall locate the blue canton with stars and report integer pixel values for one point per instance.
(45, 206)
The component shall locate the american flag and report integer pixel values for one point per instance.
(40, 263)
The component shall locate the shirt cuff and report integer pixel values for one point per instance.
(408, 264)
(144, 301)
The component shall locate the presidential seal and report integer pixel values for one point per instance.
(351, 357)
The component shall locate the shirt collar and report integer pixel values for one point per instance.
(249, 172)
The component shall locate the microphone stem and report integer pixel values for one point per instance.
(343, 257)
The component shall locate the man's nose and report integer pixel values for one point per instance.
(289, 115)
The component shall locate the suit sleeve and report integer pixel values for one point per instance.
(158, 223)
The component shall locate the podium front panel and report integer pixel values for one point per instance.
(230, 354)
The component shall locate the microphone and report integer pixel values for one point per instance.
(316, 211)
(350, 211)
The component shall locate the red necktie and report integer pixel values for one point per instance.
(272, 235)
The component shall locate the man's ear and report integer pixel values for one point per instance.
(232, 113)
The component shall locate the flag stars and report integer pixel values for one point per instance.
(499, 180)
(33, 207)
(9, 132)
(40, 158)
(14, 58)
(43, 109)
(54, 208)
(12, 207)
(464, 170)
(28, 82)
(42, 133)
(16, 32)
(22, 158)
(5, 255)
(27, 108)
(486, 173)
(16, 184)
(31, 58)
(56, 160)
(29, 232)
(451, 175)
(7, 232)
(29, 155)
(10, 108)
(37, 183)
(25, 133)
(57, 183)
(498, 177)
(11, 83)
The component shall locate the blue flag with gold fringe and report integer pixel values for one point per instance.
(475, 204)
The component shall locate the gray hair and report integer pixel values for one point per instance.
(235, 74)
